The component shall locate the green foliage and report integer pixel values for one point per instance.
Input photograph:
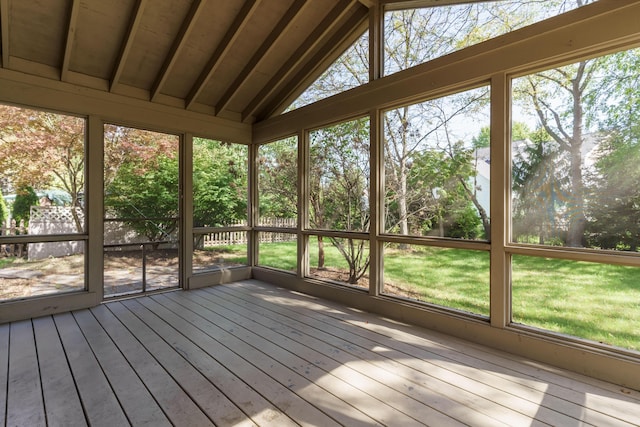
(4, 212)
(219, 183)
(614, 206)
(278, 179)
(21, 210)
(465, 223)
(147, 198)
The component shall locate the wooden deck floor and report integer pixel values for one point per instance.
(249, 353)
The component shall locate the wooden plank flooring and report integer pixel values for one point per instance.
(250, 353)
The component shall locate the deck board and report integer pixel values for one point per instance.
(502, 398)
(24, 392)
(137, 403)
(250, 353)
(205, 394)
(4, 371)
(173, 400)
(62, 403)
(101, 405)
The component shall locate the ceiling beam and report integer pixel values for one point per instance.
(68, 49)
(134, 24)
(301, 54)
(369, 3)
(241, 20)
(4, 22)
(267, 45)
(314, 66)
(178, 45)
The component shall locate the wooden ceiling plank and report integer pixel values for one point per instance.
(68, 50)
(128, 42)
(241, 20)
(267, 45)
(178, 45)
(301, 54)
(4, 22)
(291, 91)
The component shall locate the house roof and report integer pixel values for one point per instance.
(239, 60)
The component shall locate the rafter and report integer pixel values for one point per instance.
(68, 50)
(288, 94)
(301, 54)
(128, 42)
(224, 46)
(178, 45)
(267, 45)
(4, 22)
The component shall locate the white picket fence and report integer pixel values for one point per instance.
(223, 238)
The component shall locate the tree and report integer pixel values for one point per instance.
(146, 199)
(339, 189)
(613, 206)
(219, 183)
(278, 179)
(141, 180)
(4, 212)
(539, 185)
(431, 129)
(21, 209)
(44, 151)
(615, 200)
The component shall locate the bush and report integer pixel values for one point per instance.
(466, 224)
(4, 212)
(25, 198)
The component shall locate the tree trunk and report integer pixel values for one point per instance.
(577, 220)
(320, 253)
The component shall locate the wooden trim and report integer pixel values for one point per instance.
(253, 207)
(303, 203)
(376, 203)
(555, 41)
(71, 32)
(46, 305)
(376, 42)
(39, 92)
(267, 45)
(207, 230)
(134, 24)
(179, 43)
(576, 254)
(225, 45)
(441, 242)
(41, 238)
(94, 155)
(186, 210)
(4, 23)
(359, 235)
(500, 191)
(304, 51)
(219, 277)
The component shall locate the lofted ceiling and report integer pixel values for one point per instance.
(244, 60)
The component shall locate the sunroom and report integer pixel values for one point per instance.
(320, 212)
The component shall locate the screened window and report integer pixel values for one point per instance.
(42, 183)
(278, 183)
(437, 167)
(415, 36)
(220, 192)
